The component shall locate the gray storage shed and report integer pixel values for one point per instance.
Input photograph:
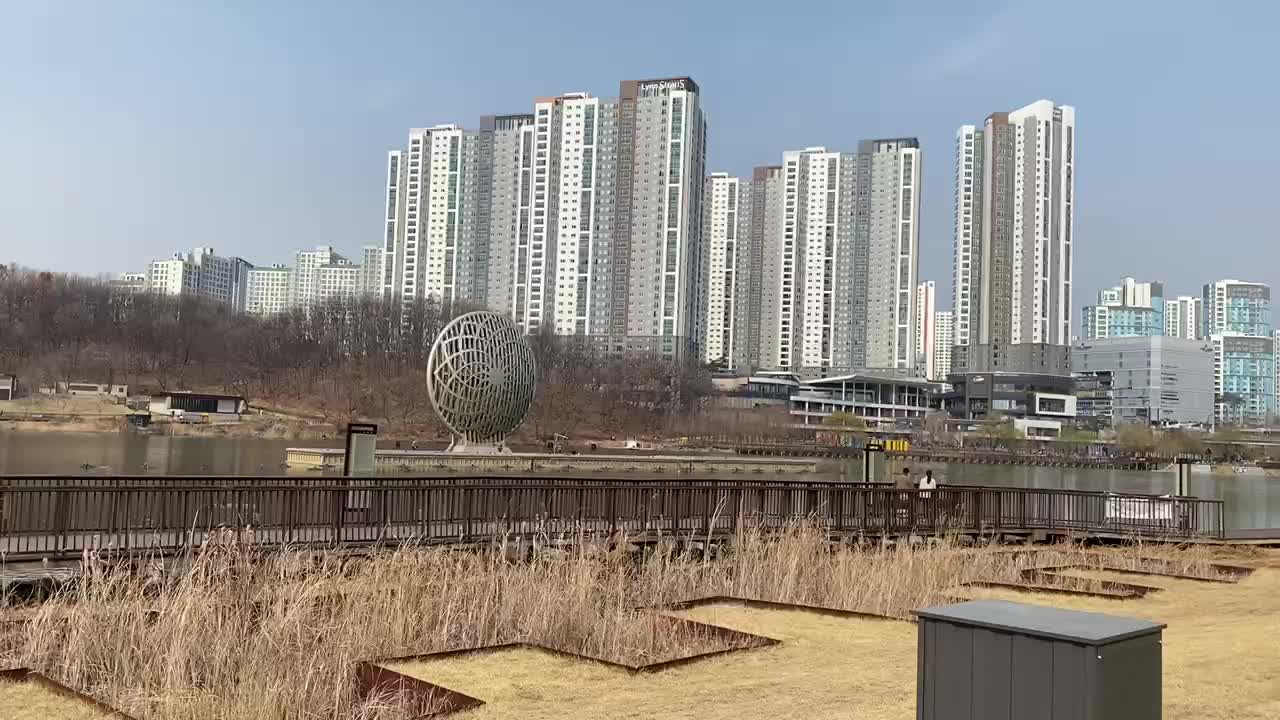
(996, 660)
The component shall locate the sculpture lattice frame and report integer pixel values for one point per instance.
(481, 376)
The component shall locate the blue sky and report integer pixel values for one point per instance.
(129, 130)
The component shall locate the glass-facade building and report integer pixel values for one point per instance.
(1245, 378)
(1237, 319)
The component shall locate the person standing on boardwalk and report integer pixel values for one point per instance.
(904, 480)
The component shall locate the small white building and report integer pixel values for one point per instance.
(174, 404)
(89, 389)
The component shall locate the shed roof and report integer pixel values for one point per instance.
(1074, 626)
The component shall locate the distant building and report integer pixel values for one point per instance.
(844, 253)
(269, 289)
(83, 388)
(1038, 403)
(1014, 206)
(1237, 320)
(202, 273)
(943, 342)
(172, 403)
(926, 331)
(1244, 378)
(884, 403)
(1131, 309)
(1155, 380)
(1184, 317)
(723, 233)
(340, 279)
(1237, 306)
(584, 215)
(306, 273)
(1035, 358)
(130, 283)
(370, 270)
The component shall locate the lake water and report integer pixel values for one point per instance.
(1250, 501)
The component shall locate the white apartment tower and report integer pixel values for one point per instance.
(1184, 317)
(966, 265)
(306, 288)
(926, 329)
(269, 290)
(202, 272)
(428, 224)
(339, 279)
(943, 340)
(722, 200)
(1013, 227)
(840, 258)
(370, 270)
(582, 217)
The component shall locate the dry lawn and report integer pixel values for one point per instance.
(827, 667)
(1222, 646)
(271, 636)
(27, 700)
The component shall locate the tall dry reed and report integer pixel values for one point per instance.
(263, 636)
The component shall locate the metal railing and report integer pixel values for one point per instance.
(65, 517)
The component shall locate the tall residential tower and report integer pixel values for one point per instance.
(583, 217)
(840, 257)
(1013, 228)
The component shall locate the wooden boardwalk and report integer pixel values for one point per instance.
(52, 518)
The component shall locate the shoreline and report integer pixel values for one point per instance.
(275, 429)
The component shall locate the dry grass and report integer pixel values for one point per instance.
(826, 667)
(269, 636)
(1221, 653)
(28, 700)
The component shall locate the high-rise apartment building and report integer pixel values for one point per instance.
(202, 272)
(306, 273)
(432, 215)
(926, 329)
(1184, 317)
(765, 297)
(507, 218)
(1237, 306)
(1013, 228)
(269, 290)
(583, 216)
(339, 279)
(370, 270)
(943, 340)
(1244, 378)
(840, 258)
(1130, 309)
(1237, 320)
(726, 233)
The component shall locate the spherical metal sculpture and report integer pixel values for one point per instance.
(480, 377)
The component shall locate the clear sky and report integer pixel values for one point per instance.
(130, 130)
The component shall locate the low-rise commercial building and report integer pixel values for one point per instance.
(1048, 399)
(1157, 380)
(8, 386)
(884, 403)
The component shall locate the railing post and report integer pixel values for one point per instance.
(613, 510)
(467, 492)
(737, 516)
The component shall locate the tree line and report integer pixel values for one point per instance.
(355, 357)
